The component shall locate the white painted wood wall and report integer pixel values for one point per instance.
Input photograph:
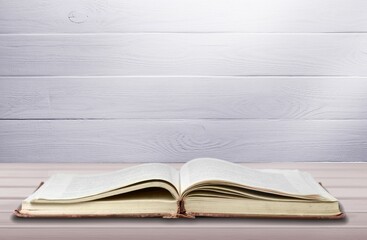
(171, 80)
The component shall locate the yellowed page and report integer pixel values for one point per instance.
(303, 181)
(69, 186)
(208, 169)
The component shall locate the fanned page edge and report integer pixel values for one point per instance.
(221, 215)
(18, 213)
(340, 216)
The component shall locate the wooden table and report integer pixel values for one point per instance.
(346, 181)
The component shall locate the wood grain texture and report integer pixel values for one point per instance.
(95, 16)
(183, 97)
(182, 140)
(184, 54)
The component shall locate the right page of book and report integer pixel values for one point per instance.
(293, 182)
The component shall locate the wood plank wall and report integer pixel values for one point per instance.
(171, 80)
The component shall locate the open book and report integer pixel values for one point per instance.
(202, 187)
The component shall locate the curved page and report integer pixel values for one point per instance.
(70, 186)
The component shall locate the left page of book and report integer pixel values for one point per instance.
(70, 186)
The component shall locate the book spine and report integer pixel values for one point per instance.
(181, 207)
(182, 211)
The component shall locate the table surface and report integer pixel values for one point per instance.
(346, 181)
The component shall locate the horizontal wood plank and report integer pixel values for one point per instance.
(183, 97)
(96, 233)
(355, 220)
(306, 166)
(184, 54)
(93, 16)
(16, 192)
(358, 174)
(182, 140)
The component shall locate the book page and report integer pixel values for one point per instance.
(69, 186)
(303, 180)
(207, 169)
